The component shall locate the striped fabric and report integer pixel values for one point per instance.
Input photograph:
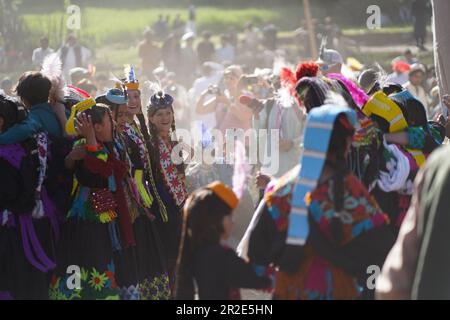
(318, 131)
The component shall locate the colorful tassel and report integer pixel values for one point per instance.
(145, 196)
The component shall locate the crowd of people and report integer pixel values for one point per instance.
(95, 204)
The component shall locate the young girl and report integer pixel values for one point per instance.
(204, 259)
(319, 226)
(169, 177)
(141, 269)
(29, 225)
(136, 138)
(99, 213)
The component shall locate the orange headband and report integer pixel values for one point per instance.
(224, 193)
(132, 85)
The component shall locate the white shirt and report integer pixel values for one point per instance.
(290, 122)
(71, 62)
(208, 121)
(39, 55)
(225, 53)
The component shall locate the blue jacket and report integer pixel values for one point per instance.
(40, 118)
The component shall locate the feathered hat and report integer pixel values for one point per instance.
(52, 69)
(160, 100)
(130, 81)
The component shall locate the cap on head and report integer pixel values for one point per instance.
(330, 57)
(224, 193)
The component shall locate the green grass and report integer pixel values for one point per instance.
(101, 26)
(114, 33)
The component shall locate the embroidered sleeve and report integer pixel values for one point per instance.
(416, 137)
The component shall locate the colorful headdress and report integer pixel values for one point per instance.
(130, 81)
(76, 109)
(312, 91)
(289, 79)
(387, 108)
(224, 193)
(380, 105)
(319, 128)
(411, 107)
(358, 95)
(116, 96)
(160, 100)
(52, 69)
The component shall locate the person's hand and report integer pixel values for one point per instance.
(446, 101)
(262, 180)
(441, 119)
(85, 128)
(256, 106)
(286, 145)
(77, 153)
(223, 99)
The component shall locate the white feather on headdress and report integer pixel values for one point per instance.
(241, 170)
(52, 69)
(153, 87)
(116, 80)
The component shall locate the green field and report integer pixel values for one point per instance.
(100, 26)
(114, 32)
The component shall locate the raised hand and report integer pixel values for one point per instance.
(85, 128)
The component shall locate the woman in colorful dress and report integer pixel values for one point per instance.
(29, 225)
(141, 270)
(169, 176)
(98, 223)
(318, 225)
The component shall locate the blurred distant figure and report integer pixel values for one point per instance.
(233, 36)
(226, 53)
(400, 72)
(414, 85)
(188, 59)
(270, 36)
(160, 28)
(409, 57)
(332, 32)
(330, 61)
(205, 48)
(191, 24)
(251, 37)
(40, 53)
(178, 24)
(77, 74)
(211, 76)
(6, 87)
(73, 55)
(2, 56)
(181, 102)
(102, 83)
(405, 13)
(431, 80)
(149, 54)
(421, 11)
(171, 52)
